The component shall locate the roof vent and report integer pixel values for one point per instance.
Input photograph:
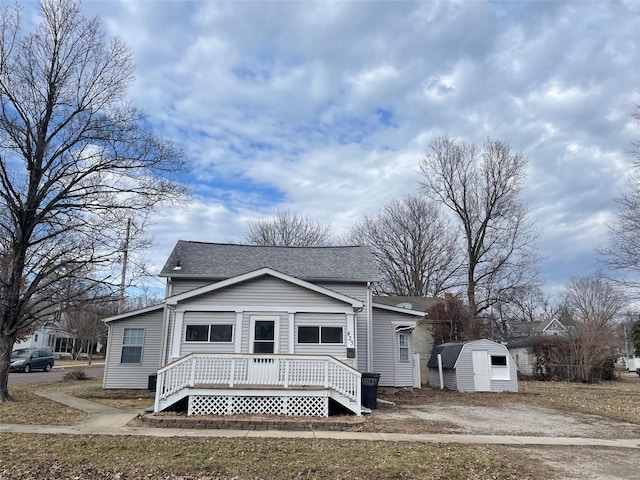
(178, 266)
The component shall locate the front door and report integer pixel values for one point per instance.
(481, 371)
(264, 340)
(264, 336)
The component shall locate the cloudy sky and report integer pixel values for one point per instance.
(326, 108)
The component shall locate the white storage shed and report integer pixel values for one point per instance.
(473, 366)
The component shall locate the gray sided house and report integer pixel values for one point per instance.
(255, 329)
(473, 366)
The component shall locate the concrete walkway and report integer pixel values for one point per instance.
(105, 420)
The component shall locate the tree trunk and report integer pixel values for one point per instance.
(6, 345)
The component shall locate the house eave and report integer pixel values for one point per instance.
(197, 276)
(406, 311)
(174, 300)
(134, 313)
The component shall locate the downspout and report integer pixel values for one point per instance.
(440, 371)
(369, 327)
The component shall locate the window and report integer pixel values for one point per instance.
(132, 345)
(320, 335)
(221, 333)
(500, 368)
(209, 333)
(197, 333)
(403, 344)
(308, 334)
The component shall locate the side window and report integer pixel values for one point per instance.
(403, 346)
(132, 345)
(500, 368)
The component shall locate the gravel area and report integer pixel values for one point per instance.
(507, 419)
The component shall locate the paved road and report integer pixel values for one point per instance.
(54, 375)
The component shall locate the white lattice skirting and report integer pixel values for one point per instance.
(269, 405)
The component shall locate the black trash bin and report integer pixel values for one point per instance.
(369, 391)
(153, 379)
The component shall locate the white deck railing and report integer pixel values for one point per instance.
(238, 370)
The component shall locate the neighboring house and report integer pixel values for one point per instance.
(473, 366)
(53, 333)
(255, 329)
(524, 335)
(423, 334)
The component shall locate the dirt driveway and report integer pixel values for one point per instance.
(527, 414)
(505, 419)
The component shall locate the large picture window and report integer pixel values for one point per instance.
(132, 342)
(215, 333)
(322, 335)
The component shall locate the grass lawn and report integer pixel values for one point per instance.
(137, 399)
(30, 408)
(83, 457)
(49, 457)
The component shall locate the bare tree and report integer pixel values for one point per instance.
(452, 321)
(288, 229)
(481, 187)
(622, 253)
(414, 245)
(518, 304)
(74, 162)
(594, 304)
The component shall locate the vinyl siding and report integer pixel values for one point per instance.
(268, 291)
(321, 319)
(386, 355)
(181, 285)
(464, 367)
(122, 375)
(525, 359)
(353, 290)
(448, 377)
(462, 379)
(207, 318)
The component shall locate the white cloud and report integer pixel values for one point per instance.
(327, 107)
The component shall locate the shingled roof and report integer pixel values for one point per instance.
(450, 353)
(219, 261)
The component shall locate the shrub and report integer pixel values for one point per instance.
(75, 375)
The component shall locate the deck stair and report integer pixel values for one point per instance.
(298, 385)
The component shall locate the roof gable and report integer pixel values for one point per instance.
(220, 261)
(174, 300)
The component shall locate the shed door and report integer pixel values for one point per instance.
(481, 375)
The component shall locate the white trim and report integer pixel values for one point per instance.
(133, 313)
(259, 273)
(406, 311)
(292, 333)
(276, 330)
(238, 337)
(350, 339)
(261, 308)
(178, 327)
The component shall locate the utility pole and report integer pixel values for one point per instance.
(125, 255)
